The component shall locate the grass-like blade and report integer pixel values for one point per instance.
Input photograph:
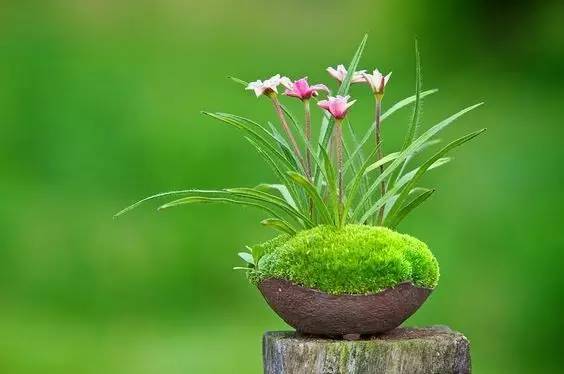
(357, 180)
(331, 177)
(403, 212)
(282, 190)
(265, 144)
(279, 225)
(412, 131)
(392, 194)
(312, 192)
(394, 108)
(415, 118)
(275, 201)
(273, 136)
(159, 195)
(383, 161)
(425, 166)
(237, 80)
(427, 135)
(328, 123)
(273, 164)
(209, 200)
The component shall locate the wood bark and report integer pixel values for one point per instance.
(435, 349)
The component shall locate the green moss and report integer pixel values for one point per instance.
(354, 259)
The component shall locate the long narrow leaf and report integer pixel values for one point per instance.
(412, 131)
(264, 197)
(394, 108)
(266, 145)
(390, 196)
(296, 194)
(282, 190)
(312, 192)
(415, 118)
(328, 123)
(403, 212)
(240, 81)
(413, 147)
(208, 200)
(159, 195)
(383, 161)
(331, 183)
(355, 185)
(279, 225)
(423, 169)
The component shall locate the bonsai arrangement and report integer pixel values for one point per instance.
(337, 268)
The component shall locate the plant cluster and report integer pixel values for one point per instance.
(354, 259)
(335, 179)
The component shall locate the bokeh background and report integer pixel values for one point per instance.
(99, 106)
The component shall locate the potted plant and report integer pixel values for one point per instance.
(338, 268)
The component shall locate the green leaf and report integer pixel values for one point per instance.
(369, 133)
(277, 171)
(282, 190)
(279, 224)
(237, 80)
(355, 185)
(423, 169)
(390, 196)
(275, 201)
(331, 178)
(247, 257)
(392, 156)
(328, 123)
(383, 161)
(288, 152)
(412, 130)
(208, 200)
(403, 212)
(312, 192)
(413, 148)
(159, 195)
(242, 268)
(264, 144)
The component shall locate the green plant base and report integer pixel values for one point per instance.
(354, 259)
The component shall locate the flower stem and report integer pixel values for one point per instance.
(338, 139)
(286, 128)
(307, 131)
(379, 152)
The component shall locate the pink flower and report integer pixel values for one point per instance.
(266, 87)
(337, 106)
(301, 88)
(377, 81)
(340, 74)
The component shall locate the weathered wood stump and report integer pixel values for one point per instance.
(435, 349)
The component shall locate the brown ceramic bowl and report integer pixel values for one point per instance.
(314, 312)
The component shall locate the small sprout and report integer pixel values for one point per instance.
(247, 257)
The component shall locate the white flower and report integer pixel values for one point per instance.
(341, 72)
(377, 81)
(268, 86)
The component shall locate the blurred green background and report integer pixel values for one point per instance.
(99, 106)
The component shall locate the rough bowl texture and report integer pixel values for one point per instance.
(313, 312)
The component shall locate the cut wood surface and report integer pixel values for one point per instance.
(435, 349)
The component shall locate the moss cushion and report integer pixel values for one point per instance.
(354, 259)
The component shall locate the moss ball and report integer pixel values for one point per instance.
(354, 259)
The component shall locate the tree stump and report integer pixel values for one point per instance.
(435, 349)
